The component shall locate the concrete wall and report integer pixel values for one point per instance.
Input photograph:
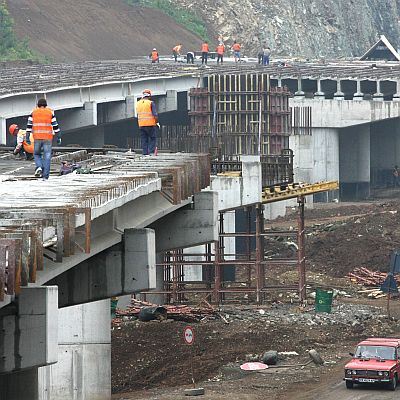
(355, 162)
(83, 371)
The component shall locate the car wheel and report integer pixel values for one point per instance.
(349, 384)
(393, 383)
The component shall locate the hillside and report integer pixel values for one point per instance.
(313, 28)
(103, 29)
(78, 30)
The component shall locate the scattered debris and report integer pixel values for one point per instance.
(366, 277)
(145, 311)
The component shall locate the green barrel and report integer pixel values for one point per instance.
(323, 300)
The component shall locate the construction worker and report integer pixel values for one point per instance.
(43, 125)
(148, 122)
(236, 51)
(190, 57)
(220, 53)
(22, 148)
(155, 58)
(176, 51)
(204, 52)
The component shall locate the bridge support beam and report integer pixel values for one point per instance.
(123, 269)
(189, 226)
(76, 118)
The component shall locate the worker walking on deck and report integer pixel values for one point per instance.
(148, 122)
(236, 51)
(43, 125)
(176, 51)
(22, 148)
(204, 52)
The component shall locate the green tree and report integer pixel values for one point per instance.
(11, 48)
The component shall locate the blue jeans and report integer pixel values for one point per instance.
(42, 161)
(265, 60)
(148, 135)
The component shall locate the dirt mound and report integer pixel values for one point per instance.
(367, 240)
(82, 30)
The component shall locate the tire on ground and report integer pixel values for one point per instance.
(270, 357)
(194, 392)
(317, 359)
(349, 384)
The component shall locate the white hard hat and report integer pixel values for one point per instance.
(154, 49)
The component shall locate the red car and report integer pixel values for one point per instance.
(376, 360)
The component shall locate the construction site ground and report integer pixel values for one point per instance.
(151, 361)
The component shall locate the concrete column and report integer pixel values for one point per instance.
(396, 96)
(355, 162)
(358, 95)
(299, 94)
(279, 82)
(319, 92)
(378, 96)
(3, 131)
(339, 95)
(251, 175)
(83, 371)
(168, 103)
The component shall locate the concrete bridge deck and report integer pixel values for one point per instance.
(47, 227)
(45, 78)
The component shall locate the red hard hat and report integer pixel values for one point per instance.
(12, 128)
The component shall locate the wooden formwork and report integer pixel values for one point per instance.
(244, 108)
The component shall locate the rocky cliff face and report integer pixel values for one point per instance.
(301, 28)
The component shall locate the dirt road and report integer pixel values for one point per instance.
(332, 387)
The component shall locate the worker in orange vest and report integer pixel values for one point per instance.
(148, 122)
(220, 53)
(204, 52)
(155, 58)
(43, 125)
(236, 51)
(176, 51)
(22, 148)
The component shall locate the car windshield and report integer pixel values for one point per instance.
(380, 352)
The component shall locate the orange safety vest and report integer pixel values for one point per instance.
(177, 48)
(154, 55)
(236, 47)
(220, 49)
(28, 147)
(204, 48)
(144, 113)
(41, 126)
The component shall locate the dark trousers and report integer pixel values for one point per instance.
(220, 57)
(204, 56)
(265, 60)
(148, 134)
(189, 58)
(175, 54)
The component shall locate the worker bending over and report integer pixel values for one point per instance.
(22, 148)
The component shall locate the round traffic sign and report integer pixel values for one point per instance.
(188, 335)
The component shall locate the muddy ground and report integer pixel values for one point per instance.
(84, 30)
(150, 360)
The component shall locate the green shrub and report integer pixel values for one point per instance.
(189, 20)
(12, 49)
